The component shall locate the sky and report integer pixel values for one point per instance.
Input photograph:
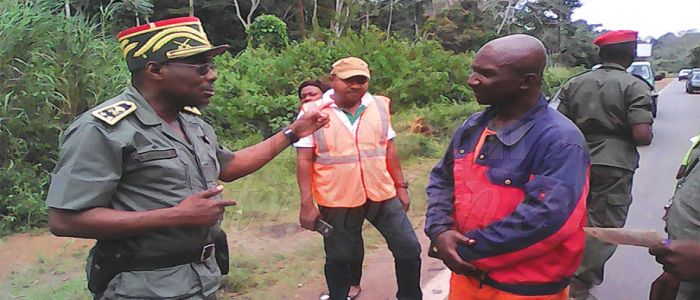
(649, 17)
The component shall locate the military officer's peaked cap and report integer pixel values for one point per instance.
(615, 37)
(165, 40)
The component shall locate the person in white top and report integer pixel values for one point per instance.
(354, 175)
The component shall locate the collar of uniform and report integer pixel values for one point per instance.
(515, 131)
(367, 99)
(188, 117)
(612, 66)
(144, 111)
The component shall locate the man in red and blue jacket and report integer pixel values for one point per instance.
(507, 203)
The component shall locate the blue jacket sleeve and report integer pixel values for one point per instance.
(440, 190)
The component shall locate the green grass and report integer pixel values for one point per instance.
(267, 196)
(55, 277)
(253, 276)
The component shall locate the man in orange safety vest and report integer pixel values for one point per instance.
(351, 169)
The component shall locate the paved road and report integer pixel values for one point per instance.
(631, 270)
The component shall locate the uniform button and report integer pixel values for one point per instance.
(482, 156)
(435, 249)
(461, 151)
(118, 255)
(507, 182)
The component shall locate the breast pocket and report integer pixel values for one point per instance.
(209, 161)
(508, 178)
(159, 167)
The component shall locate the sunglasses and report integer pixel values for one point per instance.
(356, 79)
(202, 69)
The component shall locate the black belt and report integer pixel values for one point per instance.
(122, 264)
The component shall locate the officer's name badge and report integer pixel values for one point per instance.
(111, 114)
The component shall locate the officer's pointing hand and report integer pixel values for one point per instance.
(310, 121)
(198, 210)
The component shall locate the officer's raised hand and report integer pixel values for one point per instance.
(311, 121)
(446, 245)
(199, 210)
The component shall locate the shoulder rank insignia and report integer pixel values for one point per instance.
(113, 113)
(192, 109)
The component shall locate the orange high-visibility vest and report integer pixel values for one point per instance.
(351, 167)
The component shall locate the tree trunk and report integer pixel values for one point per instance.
(300, 17)
(239, 15)
(191, 8)
(335, 23)
(253, 6)
(314, 18)
(391, 15)
(415, 21)
(367, 15)
(506, 16)
(66, 4)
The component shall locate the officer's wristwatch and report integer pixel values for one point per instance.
(293, 138)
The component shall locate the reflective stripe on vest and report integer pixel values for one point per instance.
(326, 159)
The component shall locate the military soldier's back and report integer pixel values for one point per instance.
(613, 110)
(603, 103)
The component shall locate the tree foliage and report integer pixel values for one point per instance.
(46, 79)
(412, 74)
(695, 56)
(674, 52)
(267, 31)
(460, 28)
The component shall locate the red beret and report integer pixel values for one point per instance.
(615, 37)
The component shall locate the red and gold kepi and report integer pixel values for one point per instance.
(165, 40)
(615, 37)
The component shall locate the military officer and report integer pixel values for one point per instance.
(613, 110)
(680, 255)
(139, 173)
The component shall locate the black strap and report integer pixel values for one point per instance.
(121, 264)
